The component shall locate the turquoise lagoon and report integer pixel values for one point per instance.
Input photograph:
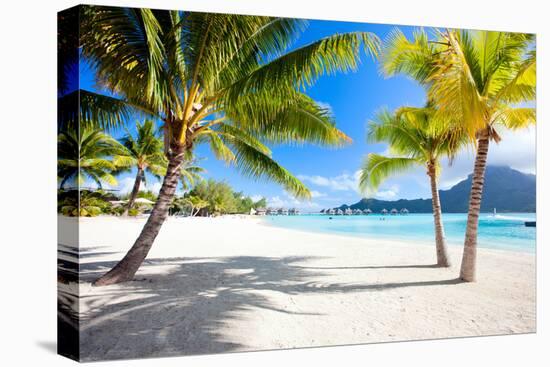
(500, 231)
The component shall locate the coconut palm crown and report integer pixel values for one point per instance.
(85, 154)
(143, 152)
(229, 81)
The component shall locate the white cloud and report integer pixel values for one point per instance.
(125, 185)
(388, 194)
(343, 182)
(325, 105)
(516, 150)
(286, 200)
(317, 194)
(154, 187)
(256, 197)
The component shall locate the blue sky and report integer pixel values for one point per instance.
(354, 98)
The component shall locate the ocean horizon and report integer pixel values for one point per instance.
(505, 231)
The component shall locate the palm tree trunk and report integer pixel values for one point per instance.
(128, 266)
(468, 267)
(135, 190)
(440, 246)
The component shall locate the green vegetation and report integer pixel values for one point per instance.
(145, 153)
(224, 80)
(89, 204)
(415, 138)
(477, 80)
(212, 197)
(86, 154)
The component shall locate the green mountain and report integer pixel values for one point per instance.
(505, 189)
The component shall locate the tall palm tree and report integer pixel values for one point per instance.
(485, 82)
(144, 152)
(414, 138)
(478, 79)
(225, 80)
(85, 154)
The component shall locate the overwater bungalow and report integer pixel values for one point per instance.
(261, 211)
(357, 212)
(404, 211)
(282, 211)
(271, 211)
(293, 211)
(330, 211)
(367, 211)
(348, 211)
(394, 211)
(384, 211)
(322, 211)
(339, 212)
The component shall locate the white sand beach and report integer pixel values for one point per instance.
(231, 284)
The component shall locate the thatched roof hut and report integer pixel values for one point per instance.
(384, 211)
(293, 211)
(331, 211)
(404, 211)
(339, 212)
(348, 211)
(394, 211)
(367, 211)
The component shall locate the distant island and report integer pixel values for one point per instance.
(506, 189)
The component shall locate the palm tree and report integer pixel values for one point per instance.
(478, 79)
(190, 172)
(485, 82)
(415, 138)
(225, 80)
(85, 154)
(145, 153)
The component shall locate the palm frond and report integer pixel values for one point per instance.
(376, 168)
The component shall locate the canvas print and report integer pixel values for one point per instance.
(231, 183)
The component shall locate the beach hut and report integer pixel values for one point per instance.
(367, 211)
(331, 212)
(339, 212)
(348, 211)
(282, 211)
(404, 211)
(394, 211)
(384, 211)
(293, 211)
(252, 211)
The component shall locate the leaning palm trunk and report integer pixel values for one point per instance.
(468, 267)
(124, 271)
(440, 246)
(135, 190)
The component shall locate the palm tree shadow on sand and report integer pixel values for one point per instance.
(183, 310)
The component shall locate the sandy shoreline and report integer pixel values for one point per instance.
(232, 284)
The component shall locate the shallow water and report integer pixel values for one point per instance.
(501, 231)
